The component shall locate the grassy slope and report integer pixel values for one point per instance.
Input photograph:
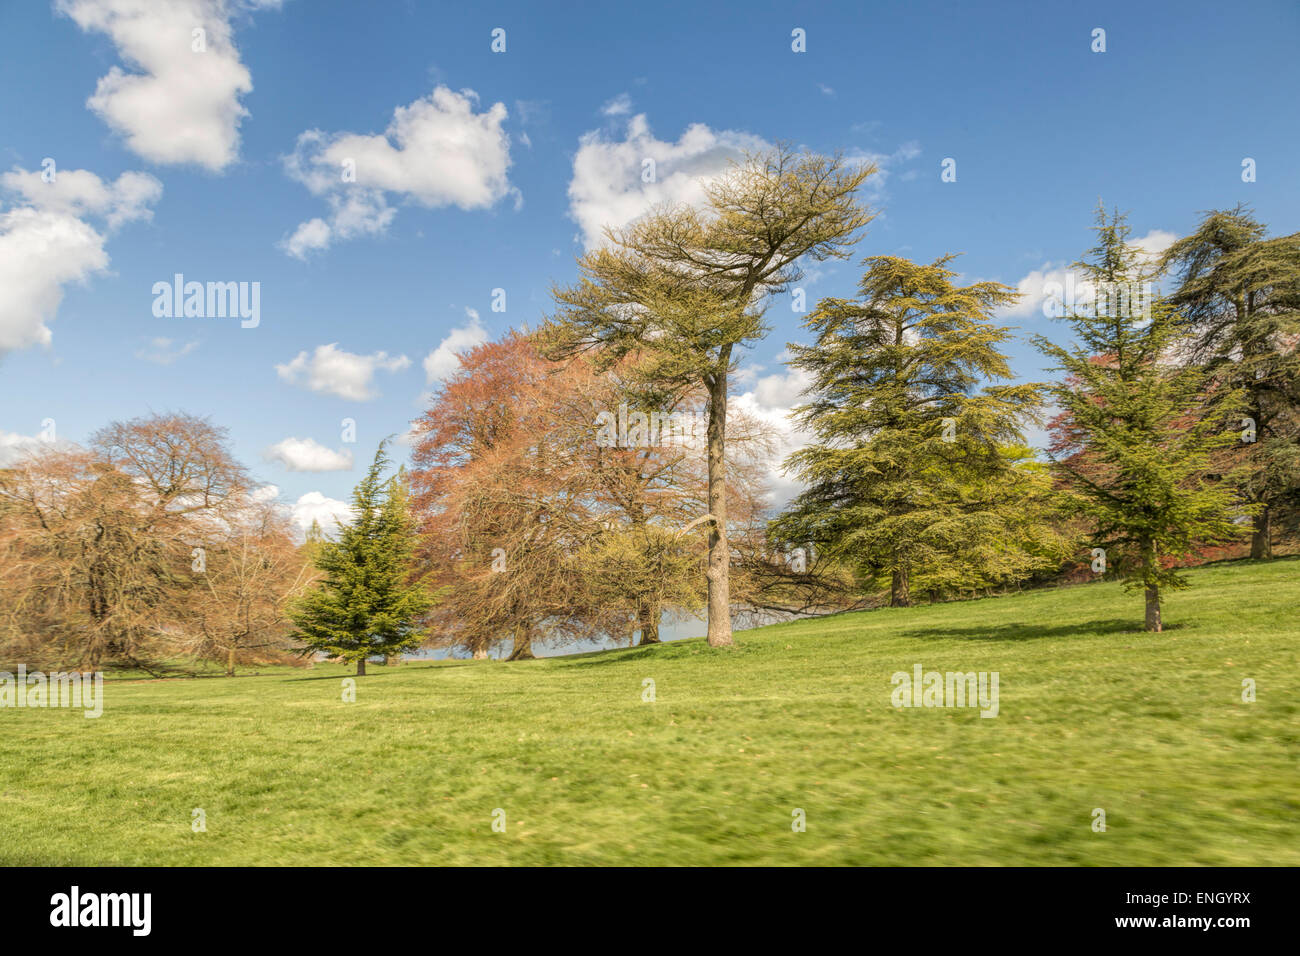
(1094, 713)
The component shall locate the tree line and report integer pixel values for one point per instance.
(585, 478)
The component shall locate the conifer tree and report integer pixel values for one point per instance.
(1239, 295)
(684, 289)
(1139, 420)
(912, 465)
(368, 602)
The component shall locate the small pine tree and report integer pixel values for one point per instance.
(1142, 435)
(368, 601)
(913, 465)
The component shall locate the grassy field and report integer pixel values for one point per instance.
(1093, 713)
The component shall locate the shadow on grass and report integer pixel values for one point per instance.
(379, 670)
(1033, 632)
(616, 655)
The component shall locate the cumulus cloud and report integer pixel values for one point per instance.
(306, 454)
(79, 193)
(332, 371)
(444, 360)
(608, 187)
(769, 401)
(1155, 242)
(314, 506)
(178, 104)
(1047, 290)
(15, 447)
(436, 152)
(47, 241)
(310, 236)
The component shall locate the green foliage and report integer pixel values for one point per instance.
(1141, 429)
(915, 470)
(681, 289)
(367, 602)
(1239, 298)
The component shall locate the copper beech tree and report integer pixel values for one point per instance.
(554, 498)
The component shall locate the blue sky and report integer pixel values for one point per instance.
(457, 196)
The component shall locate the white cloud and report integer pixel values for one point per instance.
(769, 401)
(314, 506)
(608, 187)
(1155, 242)
(444, 361)
(1047, 289)
(310, 236)
(306, 454)
(162, 351)
(620, 105)
(15, 447)
(78, 193)
(436, 152)
(178, 105)
(332, 371)
(46, 242)
(886, 164)
(265, 493)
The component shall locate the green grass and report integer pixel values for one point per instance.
(1093, 713)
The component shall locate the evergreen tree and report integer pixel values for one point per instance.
(1239, 294)
(912, 467)
(368, 601)
(1140, 424)
(684, 290)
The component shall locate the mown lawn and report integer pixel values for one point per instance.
(1093, 714)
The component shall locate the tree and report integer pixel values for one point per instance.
(1239, 295)
(100, 541)
(913, 471)
(681, 290)
(251, 573)
(1140, 421)
(369, 599)
(504, 498)
(552, 496)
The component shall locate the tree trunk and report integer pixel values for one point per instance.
(1153, 609)
(230, 662)
(1150, 564)
(523, 646)
(649, 625)
(900, 594)
(1261, 543)
(718, 571)
(361, 667)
